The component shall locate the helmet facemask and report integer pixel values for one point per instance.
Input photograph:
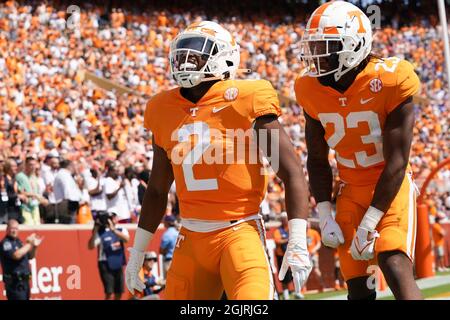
(195, 58)
(326, 55)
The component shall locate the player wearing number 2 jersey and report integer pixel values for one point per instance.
(196, 129)
(360, 106)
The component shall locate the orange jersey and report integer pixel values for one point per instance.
(313, 239)
(354, 120)
(438, 236)
(210, 184)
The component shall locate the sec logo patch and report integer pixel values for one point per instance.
(376, 85)
(231, 94)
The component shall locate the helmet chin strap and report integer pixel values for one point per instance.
(244, 71)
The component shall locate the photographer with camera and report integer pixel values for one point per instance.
(110, 241)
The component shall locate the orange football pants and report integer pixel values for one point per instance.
(232, 259)
(397, 228)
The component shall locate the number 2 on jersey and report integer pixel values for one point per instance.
(353, 119)
(201, 129)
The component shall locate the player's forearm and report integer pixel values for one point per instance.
(296, 197)
(320, 179)
(397, 139)
(154, 206)
(388, 186)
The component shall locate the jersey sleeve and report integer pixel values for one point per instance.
(265, 101)
(301, 94)
(150, 115)
(407, 85)
(150, 118)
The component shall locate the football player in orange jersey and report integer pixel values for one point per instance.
(221, 245)
(360, 106)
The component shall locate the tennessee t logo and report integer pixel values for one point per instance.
(343, 101)
(179, 239)
(358, 15)
(193, 111)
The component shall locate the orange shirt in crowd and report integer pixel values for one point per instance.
(313, 239)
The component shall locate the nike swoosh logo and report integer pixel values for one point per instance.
(215, 109)
(365, 101)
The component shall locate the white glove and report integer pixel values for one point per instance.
(363, 244)
(134, 265)
(329, 229)
(296, 256)
(132, 270)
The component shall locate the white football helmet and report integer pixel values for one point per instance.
(336, 29)
(203, 42)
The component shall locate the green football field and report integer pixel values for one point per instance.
(439, 291)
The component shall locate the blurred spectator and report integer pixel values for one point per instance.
(12, 192)
(314, 244)
(153, 285)
(84, 214)
(110, 241)
(27, 183)
(67, 193)
(168, 242)
(3, 198)
(14, 257)
(48, 173)
(131, 191)
(144, 176)
(116, 198)
(95, 186)
(438, 240)
(281, 237)
(338, 280)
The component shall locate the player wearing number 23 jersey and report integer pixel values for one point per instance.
(202, 139)
(360, 106)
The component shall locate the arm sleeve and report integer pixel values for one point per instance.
(265, 101)
(149, 118)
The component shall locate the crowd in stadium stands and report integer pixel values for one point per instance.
(69, 149)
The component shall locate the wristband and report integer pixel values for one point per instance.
(297, 231)
(324, 210)
(141, 239)
(371, 219)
